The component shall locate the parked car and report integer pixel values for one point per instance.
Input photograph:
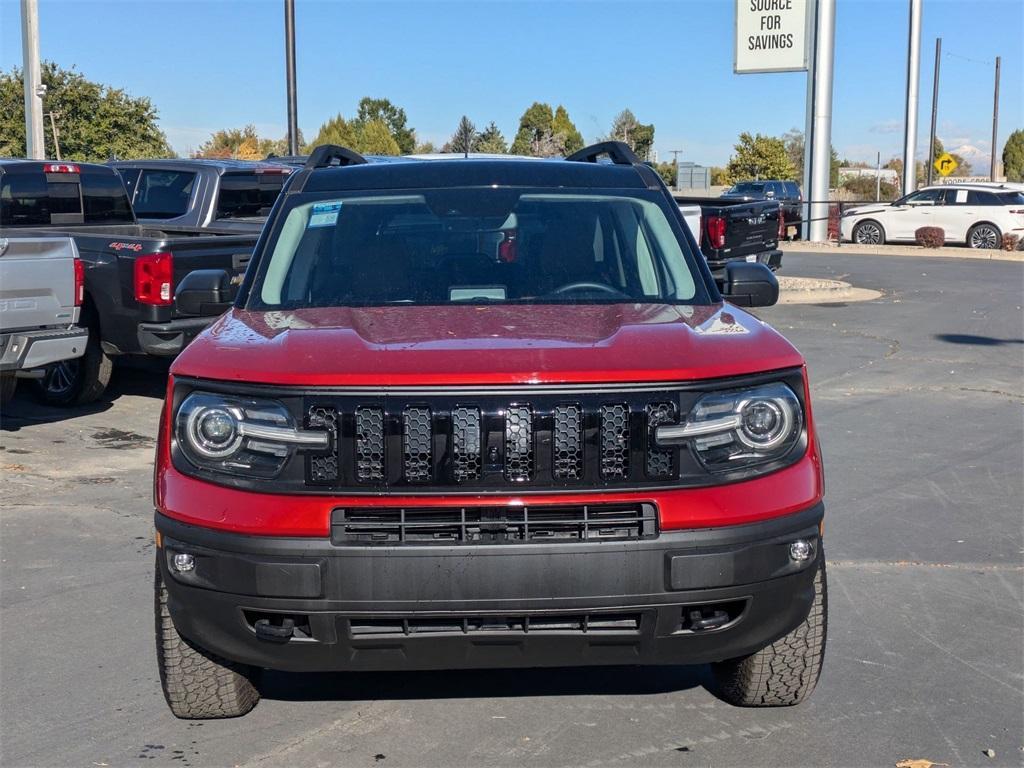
(740, 230)
(227, 195)
(787, 193)
(396, 451)
(977, 215)
(131, 270)
(42, 284)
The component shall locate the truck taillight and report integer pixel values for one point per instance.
(61, 168)
(715, 226)
(507, 248)
(79, 282)
(154, 275)
(782, 224)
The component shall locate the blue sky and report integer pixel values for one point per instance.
(209, 65)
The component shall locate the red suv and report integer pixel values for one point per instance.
(481, 413)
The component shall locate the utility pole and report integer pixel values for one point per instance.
(878, 177)
(34, 88)
(289, 55)
(910, 116)
(995, 126)
(675, 164)
(56, 133)
(818, 136)
(935, 110)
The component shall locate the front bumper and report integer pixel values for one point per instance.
(169, 338)
(34, 349)
(473, 606)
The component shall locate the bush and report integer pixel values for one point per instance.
(863, 188)
(1010, 242)
(930, 237)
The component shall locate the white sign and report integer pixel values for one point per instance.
(965, 180)
(771, 35)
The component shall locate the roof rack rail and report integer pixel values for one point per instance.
(325, 155)
(619, 152)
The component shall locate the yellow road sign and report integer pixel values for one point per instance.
(945, 164)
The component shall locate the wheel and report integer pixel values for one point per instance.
(197, 684)
(868, 232)
(984, 235)
(8, 383)
(80, 380)
(784, 673)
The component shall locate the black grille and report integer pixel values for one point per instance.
(369, 444)
(466, 444)
(660, 461)
(492, 525)
(614, 441)
(416, 444)
(323, 467)
(581, 623)
(568, 442)
(518, 443)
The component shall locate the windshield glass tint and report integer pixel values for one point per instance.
(451, 246)
(747, 189)
(163, 194)
(248, 195)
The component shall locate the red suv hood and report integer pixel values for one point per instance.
(397, 345)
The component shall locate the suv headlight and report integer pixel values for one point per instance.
(237, 435)
(737, 429)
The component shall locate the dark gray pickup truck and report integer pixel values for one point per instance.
(744, 230)
(203, 193)
(131, 269)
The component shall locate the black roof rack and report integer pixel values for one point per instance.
(326, 155)
(619, 152)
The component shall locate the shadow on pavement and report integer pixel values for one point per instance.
(978, 341)
(481, 683)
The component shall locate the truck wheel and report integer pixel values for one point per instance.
(8, 383)
(984, 235)
(79, 381)
(784, 673)
(868, 233)
(197, 684)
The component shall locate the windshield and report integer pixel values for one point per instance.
(476, 246)
(747, 188)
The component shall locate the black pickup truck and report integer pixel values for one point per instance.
(131, 270)
(745, 230)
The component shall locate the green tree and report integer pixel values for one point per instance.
(1013, 156)
(464, 139)
(95, 121)
(640, 137)
(536, 135)
(490, 141)
(242, 144)
(337, 130)
(719, 178)
(863, 188)
(561, 125)
(667, 171)
(373, 137)
(393, 117)
(793, 140)
(759, 157)
(426, 148)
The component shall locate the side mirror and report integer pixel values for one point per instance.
(750, 285)
(204, 292)
(770, 194)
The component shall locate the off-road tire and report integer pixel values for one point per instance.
(91, 375)
(784, 673)
(198, 685)
(8, 383)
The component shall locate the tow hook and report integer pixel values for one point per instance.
(274, 633)
(701, 623)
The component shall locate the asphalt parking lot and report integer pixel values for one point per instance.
(918, 400)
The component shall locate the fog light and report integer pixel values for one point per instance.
(183, 562)
(800, 550)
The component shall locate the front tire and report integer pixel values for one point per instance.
(197, 684)
(8, 383)
(784, 673)
(985, 236)
(868, 232)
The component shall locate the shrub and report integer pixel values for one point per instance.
(1010, 242)
(930, 237)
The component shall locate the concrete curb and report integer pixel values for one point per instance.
(900, 250)
(812, 290)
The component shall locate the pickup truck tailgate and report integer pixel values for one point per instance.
(37, 283)
(751, 228)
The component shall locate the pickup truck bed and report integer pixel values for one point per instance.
(38, 307)
(746, 230)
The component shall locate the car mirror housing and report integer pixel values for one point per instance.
(203, 293)
(750, 285)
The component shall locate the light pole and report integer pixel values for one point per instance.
(817, 138)
(289, 54)
(910, 118)
(993, 170)
(935, 110)
(34, 88)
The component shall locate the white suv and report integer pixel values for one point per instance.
(975, 214)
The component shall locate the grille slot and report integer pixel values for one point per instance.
(568, 442)
(323, 467)
(660, 461)
(417, 450)
(518, 443)
(585, 623)
(615, 441)
(466, 444)
(369, 444)
(391, 526)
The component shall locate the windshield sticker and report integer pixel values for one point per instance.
(324, 215)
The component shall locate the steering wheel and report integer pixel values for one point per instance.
(585, 285)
